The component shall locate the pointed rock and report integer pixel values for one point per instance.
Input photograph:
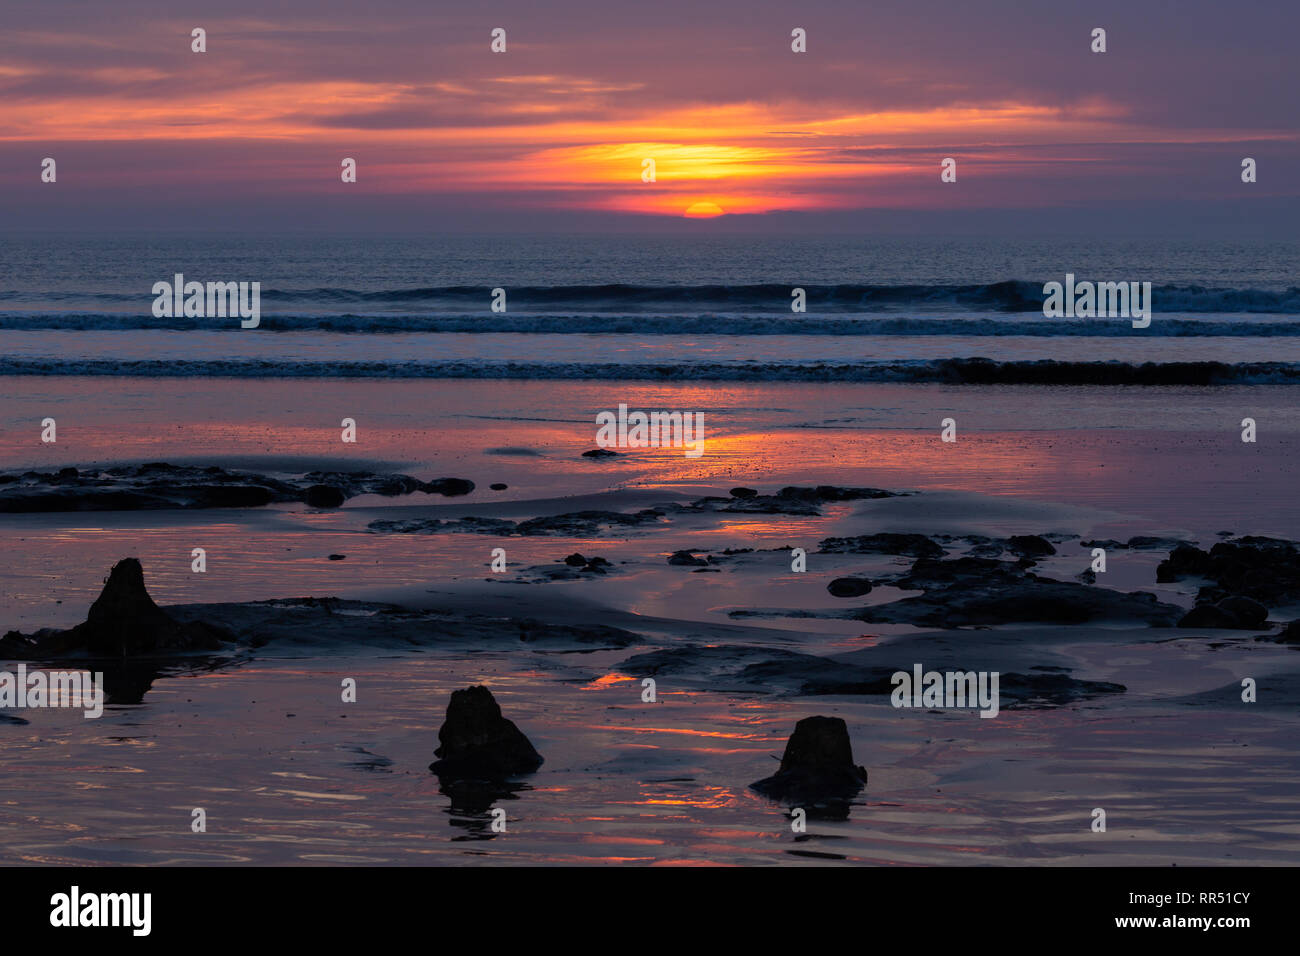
(817, 765)
(124, 621)
(477, 742)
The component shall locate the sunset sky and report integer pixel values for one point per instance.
(552, 133)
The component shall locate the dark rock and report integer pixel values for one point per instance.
(158, 485)
(353, 483)
(600, 453)
(849, 587)
(228, 496)
(1140, 542)
(596, 565)
(1233, 613)
(1264, 569)
(685, 558)
(124, 621)
(913, 545)
(1043, 690)
(1184, 561)
(324, 496)
(1209, 615)
(817, 765)
(337, 557)
(760, 504)
(575, 560)
(824, 493)
(578, 524)
(498, 486)
(476, 742)
(966, 592)
(449, 487)
(1289, 634)
(793, 500)
(1250, 613)
(1030, 545)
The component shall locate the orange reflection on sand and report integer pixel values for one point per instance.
(994, 462)
(686, 731)
(580, 860)
(607, 680)
(691, 863)
(708, 799)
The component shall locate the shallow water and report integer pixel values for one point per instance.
(625, 780)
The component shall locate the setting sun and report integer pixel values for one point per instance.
(703, 210)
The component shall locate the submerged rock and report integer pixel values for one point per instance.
(447, 487)
(1030, 546)
(1141, 542)
(159, 485)
(685, 558)
(913, 545)
(476, 742)
(817, 765)
(971, 592)
(324, 496)
(577, 524)
(824, 493)
(849, 587)
(792, 500)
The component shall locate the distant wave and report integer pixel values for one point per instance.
(1010, 296)
(647, 324)
(965, 371)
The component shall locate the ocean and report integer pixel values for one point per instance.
(611, 307)
(1076, 432)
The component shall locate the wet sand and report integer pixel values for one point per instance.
(1183, 778)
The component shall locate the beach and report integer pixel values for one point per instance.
(740, 646)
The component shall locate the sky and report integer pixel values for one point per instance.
(745, 134)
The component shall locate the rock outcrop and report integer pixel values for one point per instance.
(849, 587)
(817, 765)
(477, 742)
(124, 621)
